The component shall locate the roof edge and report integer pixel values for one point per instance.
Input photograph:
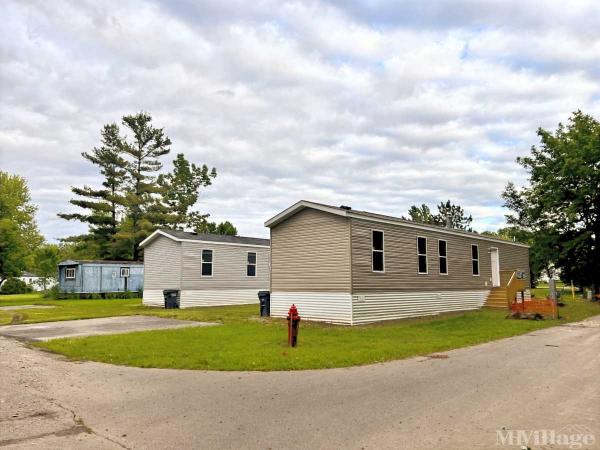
(159, 232)
(302, 204)
(153, 236)
(298, 206)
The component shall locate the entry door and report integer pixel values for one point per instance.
(495, 267)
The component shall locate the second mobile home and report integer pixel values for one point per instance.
(353, 267)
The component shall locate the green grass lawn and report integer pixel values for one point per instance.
(247, 342)
(63, 309)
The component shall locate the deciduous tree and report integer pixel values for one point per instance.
(45, 263)
(561, 203)
(181, 190)
(19, 235)
(447, 211)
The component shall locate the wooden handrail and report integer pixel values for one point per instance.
(505, 276)
(513, 286)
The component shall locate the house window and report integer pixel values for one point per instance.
(475, 259)
(124, 272)
(251, 265)
(70, 273)
(207, 263)
(378, 260)
(443, 256)
(422, 254)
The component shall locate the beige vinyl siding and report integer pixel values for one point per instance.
(513, 258)
(401, 261)
(229, 267)
(162, 264)
(310, 252)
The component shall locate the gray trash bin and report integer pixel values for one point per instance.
(264, 297)
(171, 298)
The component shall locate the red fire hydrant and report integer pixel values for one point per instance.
(293, 319)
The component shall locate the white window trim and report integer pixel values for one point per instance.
(422, 254)
(473, 259)
(128, 272)
(212, 263)
(382, 251)
(67, 270)
(255, 265)
(445, 257)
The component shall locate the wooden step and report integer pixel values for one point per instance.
(496, 299)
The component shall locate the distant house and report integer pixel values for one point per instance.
(345, 266)
(33, 281)
(100, 277)
(205, 269)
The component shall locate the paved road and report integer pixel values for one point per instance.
(46, 331)
(544, 380)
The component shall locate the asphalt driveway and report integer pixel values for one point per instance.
(546, 380)
(89, 327)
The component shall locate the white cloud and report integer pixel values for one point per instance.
(379, 107)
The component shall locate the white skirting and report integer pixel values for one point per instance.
(335, 307)
(371, 307)
(356, 309)
(217, 297)
(153, 298)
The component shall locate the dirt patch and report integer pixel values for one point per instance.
(438, 356)
(17, 307)
(17, 318)
(93, 327)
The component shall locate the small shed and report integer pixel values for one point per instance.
(100, 277)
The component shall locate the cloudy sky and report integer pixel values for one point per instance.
(373, 104)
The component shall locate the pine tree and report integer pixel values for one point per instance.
(141, 191)
(102, 205)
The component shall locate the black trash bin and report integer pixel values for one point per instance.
(264, 298)
(171, 298)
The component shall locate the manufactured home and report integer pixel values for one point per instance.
(100, 277)
(204, 269)
(354, 267)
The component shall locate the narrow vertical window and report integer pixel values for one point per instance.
(207, 263)
(422, 254)
(475, 259)
(443, 256)
(378, 264)
(70, 273)
(251, 264)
